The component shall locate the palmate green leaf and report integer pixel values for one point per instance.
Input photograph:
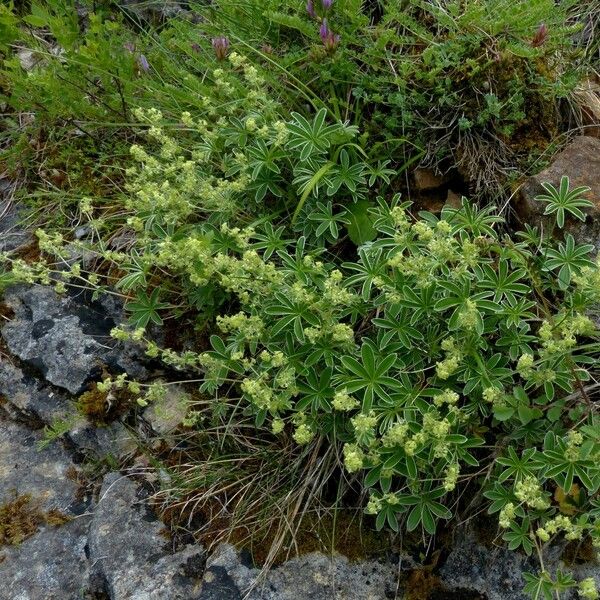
(144, 309)
(500, 497)
(427, 511)
(270, 239)
(569, 258)
(539, 587)
(380, 172)
(476, 221)
(136, 277)
(518, 536)
(329, 224)
(519, 468)
(290, 314)
(310, 138)
(368, 375)
(420, 305)
(396, 325)
(503, 281)
(316, 391)
(264, 157)
(345, 174)
(371, 265)
(564, 200)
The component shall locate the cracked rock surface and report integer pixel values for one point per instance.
(131, 555)
(65, 338)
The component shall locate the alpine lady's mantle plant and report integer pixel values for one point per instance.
(446, 358)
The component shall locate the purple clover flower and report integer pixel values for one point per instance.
(540, 37)
(330, 40)
(324, 30)
(310, 9)
(326, 4)
(143, 63)
(221, 47)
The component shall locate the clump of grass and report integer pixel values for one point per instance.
(236, 483)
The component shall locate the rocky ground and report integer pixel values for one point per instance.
(75, 517)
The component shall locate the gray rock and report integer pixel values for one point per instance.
(310, 577)
(51, 565)
(166, 414)
(29, 400)
(67, 339)
(496, 573)
(114, 440)
(13, 234)
(580, 161)
(131, 556)
(44, 474)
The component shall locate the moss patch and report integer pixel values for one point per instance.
(102, 408)
(22, 517)
(19, 520)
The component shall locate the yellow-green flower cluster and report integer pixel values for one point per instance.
(339, 333)
(26, 273)
(468, 316)
(250, 327)
(435, 429)
(587, 589)
(353, 458)
(396, 435)
(507, 514)
(493, 395)
(419, 266)
(277, 426)
(249, 277)
(588, 280)
(364, 423)
(303, 434)
(451, 478)
(250, 72)
(562, 523)
(542, 534)
(276, 359)
(574, 441)
(447, 367)
(334, 294)
(259, 392)
(374, 505)
(446, 397)
(529, 491)
(525, 366)
(53, 244)
(240, 236)
(343, 401)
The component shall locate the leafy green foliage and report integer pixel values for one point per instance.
(252, 193)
